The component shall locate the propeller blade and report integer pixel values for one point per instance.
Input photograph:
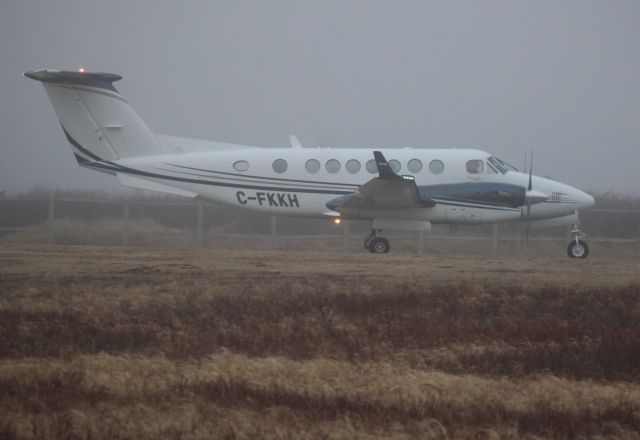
(526, 217)
(531, 172)
(530, 196)
(528, 229)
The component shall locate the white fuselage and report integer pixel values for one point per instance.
(296, 191)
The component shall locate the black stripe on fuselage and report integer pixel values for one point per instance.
(80, 159)
(265, 180)
(260, 177)
(80, 148)
(122, 169)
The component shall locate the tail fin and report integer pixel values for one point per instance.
(98, 122)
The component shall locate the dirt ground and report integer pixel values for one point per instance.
(40, 263)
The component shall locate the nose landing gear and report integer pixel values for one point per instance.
(375, 244)
(577, 248)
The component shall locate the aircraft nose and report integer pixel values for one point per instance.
(584, 200)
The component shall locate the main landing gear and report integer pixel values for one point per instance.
(578, 248)
(375, 244)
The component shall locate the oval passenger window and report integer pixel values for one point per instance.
(312, 166)
(353, 166)
(332, 166)
(241, 165)
(414, 165)
(436, 166)
(279, 166)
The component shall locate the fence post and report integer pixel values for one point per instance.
(200, 213)
(274, 228)
(420, 242)
(494, 239)
(639, 237)
(125, 223)
(345, 237)
(51, 233)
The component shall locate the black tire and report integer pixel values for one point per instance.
(368, 239)
(578, 250)
(378, 245)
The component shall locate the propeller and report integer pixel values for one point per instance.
(528, 200)
(525, 233)
(531, 197)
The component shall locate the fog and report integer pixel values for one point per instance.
(561, 78)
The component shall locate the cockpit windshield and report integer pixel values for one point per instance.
(501, 165)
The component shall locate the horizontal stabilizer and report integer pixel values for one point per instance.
(81, 78)
(137, 182)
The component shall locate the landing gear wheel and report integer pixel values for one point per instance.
(378, 245)
(368, 238)
(578, 249)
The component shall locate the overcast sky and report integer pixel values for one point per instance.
(561, 77)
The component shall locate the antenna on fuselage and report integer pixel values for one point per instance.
(294, 141)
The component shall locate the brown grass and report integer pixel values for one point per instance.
(137, 343)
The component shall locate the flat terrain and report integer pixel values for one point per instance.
(106, 342)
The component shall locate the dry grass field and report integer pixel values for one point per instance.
(106, 342)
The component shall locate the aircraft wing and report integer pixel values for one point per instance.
(387, 191)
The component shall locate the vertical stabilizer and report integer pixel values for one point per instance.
(98, 122)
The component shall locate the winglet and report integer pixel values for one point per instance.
(384, 169)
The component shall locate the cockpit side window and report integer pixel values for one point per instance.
(475, 166)
(497, 164)
(501, 165)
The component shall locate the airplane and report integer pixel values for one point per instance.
(410, 191)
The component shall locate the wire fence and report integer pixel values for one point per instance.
(193, 223)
